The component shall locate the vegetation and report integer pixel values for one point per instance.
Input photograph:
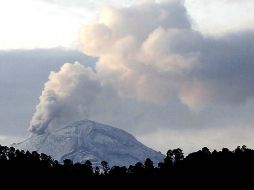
(200, 166)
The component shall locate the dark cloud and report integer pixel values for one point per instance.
(227, 67)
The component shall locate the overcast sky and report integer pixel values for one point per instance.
(173, 73)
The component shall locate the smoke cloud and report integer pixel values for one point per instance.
(67, 96)
(151, 66)
(144, 51)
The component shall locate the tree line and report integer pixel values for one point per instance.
(203, 165)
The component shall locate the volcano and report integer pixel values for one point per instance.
(89, 140)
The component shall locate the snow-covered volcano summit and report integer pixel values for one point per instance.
(88, 140)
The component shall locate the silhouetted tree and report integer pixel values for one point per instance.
(178, 155)
(199, 166)
(205, 150)
(97, 171)
(68, 163)
(149, 164)
(105, 167)
(118, 171)
(88, 168)
(168, 161)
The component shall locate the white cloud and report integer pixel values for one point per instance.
(138, 46)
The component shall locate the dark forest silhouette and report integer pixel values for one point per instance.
(200, 166)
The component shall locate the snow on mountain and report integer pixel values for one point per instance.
(88, 140)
